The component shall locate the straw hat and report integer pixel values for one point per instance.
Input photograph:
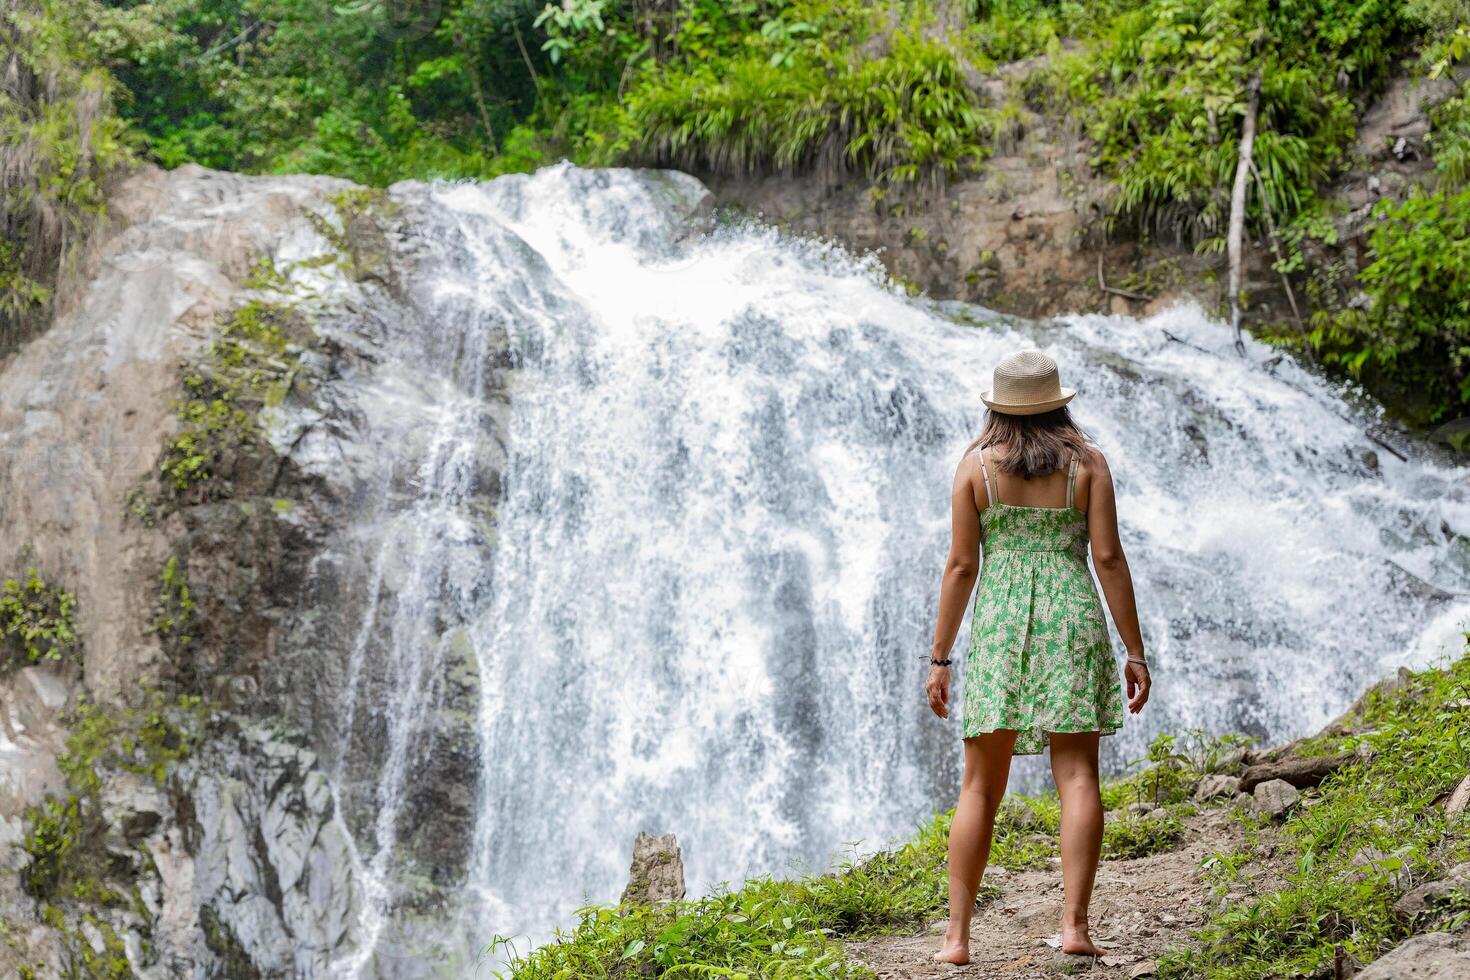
(1026, 384)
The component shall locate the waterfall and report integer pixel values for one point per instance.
(704, 601)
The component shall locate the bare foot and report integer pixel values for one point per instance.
(955, 951)
(1076, 941)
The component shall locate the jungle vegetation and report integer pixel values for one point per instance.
(378, 90)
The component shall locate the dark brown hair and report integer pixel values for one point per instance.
(1035, 444)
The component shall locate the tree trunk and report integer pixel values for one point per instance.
(1237, 204)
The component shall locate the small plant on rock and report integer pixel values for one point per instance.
(37, 622)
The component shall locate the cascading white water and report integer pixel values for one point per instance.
(716, 555)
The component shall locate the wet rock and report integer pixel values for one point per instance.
(1274, 797)
(657, 873)
(1216, 785)
(1432, 956)
(272, 864)
(1418, 899)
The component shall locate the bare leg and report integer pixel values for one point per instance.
(987, 767)
(1074, 766)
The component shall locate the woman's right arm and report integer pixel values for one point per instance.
(1113, 575)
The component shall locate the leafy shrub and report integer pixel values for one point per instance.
(37, 622)
(61, 145)
(1163, 89)
(897, 118)
(54, 829)
(1412, 342)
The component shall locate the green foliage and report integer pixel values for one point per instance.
(906, 115)
(1449, 139)
(1163, 90)
(359, 89)
(789, 928)
(37, 622)
(1134, 836)
(61, 146)
(767, 928)
(174, 623)
(109, 963)
(1418, 740)
(1412, 341)
(248, 367)
(74, 867)
(53, 831)
(149, 739)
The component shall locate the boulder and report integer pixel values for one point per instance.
(1216, 785)
(1418, 899)
(1299, 771)
(1274, 797)
(1459, 797)
(1432, 956)
(657, 873)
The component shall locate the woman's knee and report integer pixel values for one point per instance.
(1074, 758)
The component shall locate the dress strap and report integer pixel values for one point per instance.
(1072, 480)
(985, 475)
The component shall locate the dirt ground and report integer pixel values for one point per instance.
(1140, 907)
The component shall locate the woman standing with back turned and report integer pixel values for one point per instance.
(1040, 668)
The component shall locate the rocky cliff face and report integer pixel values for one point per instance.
(188, 449)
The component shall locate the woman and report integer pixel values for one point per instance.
(1040, 669)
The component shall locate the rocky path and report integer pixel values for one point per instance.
(1140, 907)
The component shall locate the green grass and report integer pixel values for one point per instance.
(1419, 740)
(771, 927)
(766, 928)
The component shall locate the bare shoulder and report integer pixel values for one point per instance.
(969, 465)
(1095, 464)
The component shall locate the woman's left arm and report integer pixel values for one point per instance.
(960, 572)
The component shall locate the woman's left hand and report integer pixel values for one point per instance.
(937, 688)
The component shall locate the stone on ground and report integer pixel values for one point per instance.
(1067, 964)
(1216, 785)
(1460, 798)
(1274, 797)
(1432, 956)
(1418, 899)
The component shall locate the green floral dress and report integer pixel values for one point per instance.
(1040, 657)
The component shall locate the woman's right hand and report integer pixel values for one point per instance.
(937, 688)
(1138, 685)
